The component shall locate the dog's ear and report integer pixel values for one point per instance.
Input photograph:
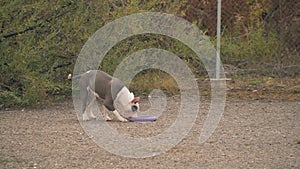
(135, 100)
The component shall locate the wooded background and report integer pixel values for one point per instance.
(40, 40)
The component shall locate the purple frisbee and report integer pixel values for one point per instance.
(142, 118)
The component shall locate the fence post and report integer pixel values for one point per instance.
(218, 54)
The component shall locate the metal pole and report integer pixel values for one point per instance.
(218, 56)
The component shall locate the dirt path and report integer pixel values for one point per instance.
(251, 134)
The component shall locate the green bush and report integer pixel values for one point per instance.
(255, 48)
(40, 42)
(9, 99)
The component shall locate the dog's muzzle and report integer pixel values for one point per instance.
(134, 108)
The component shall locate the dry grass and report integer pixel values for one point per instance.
(252, 87)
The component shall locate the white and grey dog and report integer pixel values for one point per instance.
(117, 98)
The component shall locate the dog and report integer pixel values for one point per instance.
(96, 84)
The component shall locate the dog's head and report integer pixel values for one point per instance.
(126, 104)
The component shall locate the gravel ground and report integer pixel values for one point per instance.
(251, 134)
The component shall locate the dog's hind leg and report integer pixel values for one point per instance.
(84, 99)
(89, 109)
(92, 96)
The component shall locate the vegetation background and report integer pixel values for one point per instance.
(40, 41)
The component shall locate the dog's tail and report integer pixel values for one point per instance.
(73, 78)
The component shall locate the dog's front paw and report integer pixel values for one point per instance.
(123, 120)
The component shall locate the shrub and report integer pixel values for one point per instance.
(9, 99)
